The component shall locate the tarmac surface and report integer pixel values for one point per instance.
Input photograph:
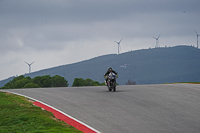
(166, 108)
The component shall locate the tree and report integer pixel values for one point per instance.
(21, 83)
(8, 85)
(17, 78)
(86, 82)
(46, 81)
(36, 82)
(31, 85)
(59, 81)
(17, 82)
(43, 81)
(78, 82)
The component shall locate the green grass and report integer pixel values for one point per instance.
(19, 115)
(192, 82)
(184, 83)
(187, 83)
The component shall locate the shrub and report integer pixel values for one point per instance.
(59, 81)
(31, 85)
(36, 82)
(86, 82)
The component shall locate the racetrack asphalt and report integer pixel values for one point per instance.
(166, 108)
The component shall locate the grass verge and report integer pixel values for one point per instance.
(192, 82)
(184, 83)
(19, 115)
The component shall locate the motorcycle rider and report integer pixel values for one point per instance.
(108, 72)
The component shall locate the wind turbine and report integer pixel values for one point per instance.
(157, 42)
(29, 65)
(118, 45)
(197, 37)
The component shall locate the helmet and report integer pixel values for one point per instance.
(109, 69)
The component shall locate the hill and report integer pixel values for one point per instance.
(147, 66)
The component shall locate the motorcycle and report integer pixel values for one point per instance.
(111, 83)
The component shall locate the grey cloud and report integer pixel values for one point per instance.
(88, 11)
(65, 27)
(50, 24)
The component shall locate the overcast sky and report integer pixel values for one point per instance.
(59, 32)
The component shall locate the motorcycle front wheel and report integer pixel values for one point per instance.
(114, 89)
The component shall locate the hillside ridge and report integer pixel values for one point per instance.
(146, 66)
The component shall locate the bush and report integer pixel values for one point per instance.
(59, 81)
(31, 85)
(86, 82)
(43, 81)
(78, 82)
(21, 83)
(36, 82)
